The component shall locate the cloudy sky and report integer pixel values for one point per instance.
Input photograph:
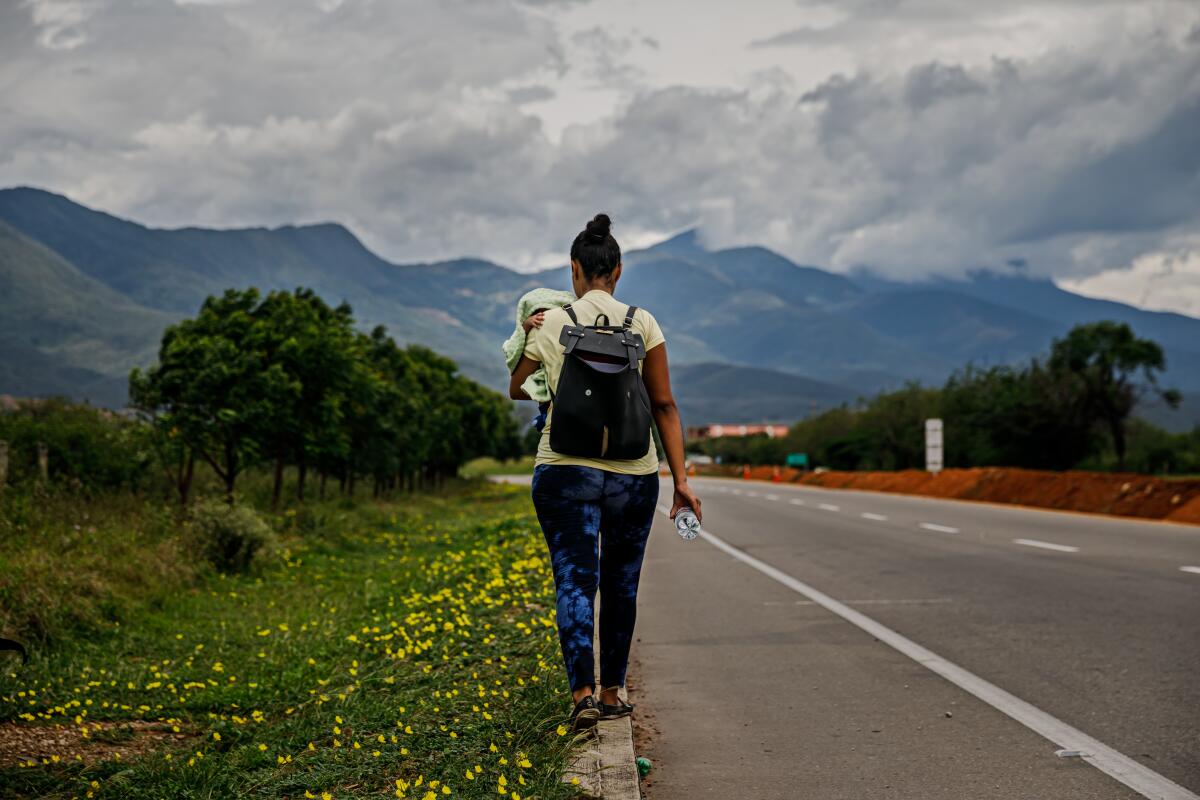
(911, 136)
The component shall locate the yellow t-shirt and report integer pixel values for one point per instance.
(542, 345)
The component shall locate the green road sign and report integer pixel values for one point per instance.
(797, 459)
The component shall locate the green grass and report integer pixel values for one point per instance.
(390, 650)
(482, 467)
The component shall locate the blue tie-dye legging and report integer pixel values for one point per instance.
(580, 508)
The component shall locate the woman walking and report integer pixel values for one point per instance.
(596, 512)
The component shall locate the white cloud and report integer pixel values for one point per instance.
(917, 137)
(1162, 281)
(61, 24)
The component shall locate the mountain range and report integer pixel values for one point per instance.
(752, 336)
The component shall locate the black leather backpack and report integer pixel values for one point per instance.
(601, 408)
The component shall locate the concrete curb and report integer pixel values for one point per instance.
(604, 760)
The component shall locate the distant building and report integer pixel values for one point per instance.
(713, 431)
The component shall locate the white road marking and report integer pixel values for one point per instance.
(772, 496)
(796, 502)
(828, 507)
(876, 517)
(752, 494)
(911, 602)
(929, 526)
(737, 491)
(1062, 548)
(1196, 570)
(1133, 774)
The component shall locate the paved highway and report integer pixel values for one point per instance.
(842, 644)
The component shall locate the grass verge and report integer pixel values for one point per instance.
(485, 465)
(401, 649)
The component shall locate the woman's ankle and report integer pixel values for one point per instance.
(582, 692)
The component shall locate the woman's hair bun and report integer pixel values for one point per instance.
(598, 229)
(595, 249)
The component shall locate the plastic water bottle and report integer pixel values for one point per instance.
(686, 523)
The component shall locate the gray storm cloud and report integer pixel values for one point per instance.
(415, 124)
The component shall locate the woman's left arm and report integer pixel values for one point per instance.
(525, 367)
(657, 377)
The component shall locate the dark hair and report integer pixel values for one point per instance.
(595, 249)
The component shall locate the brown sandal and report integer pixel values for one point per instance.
(610, 711)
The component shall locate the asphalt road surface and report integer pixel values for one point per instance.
(832, 644)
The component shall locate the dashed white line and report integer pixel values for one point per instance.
(1062, 548)
(772, 496)
(1195, 570)
(796, 502)
(752, 494)
(1119, 766)
(930, 526)
(737, 491)
(828, 507)
(876, 517)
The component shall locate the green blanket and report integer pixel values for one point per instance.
(535, 385)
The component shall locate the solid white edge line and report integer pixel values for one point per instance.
(1133, 774)
(930, 526)
(1195, 570)
(876, 517)
(1062, 548)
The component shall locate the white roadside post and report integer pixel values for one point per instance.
(933, 445)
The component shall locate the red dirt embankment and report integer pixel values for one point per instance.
(1123, 494)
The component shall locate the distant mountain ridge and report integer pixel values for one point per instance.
(84, 296)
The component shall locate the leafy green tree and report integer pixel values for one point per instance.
(210, 387)
(1107, 358)
(1027, 416)
(287, 380)
(306, 350)
(894, 424)
(388, 417)
(175, 455)
(1153, 450)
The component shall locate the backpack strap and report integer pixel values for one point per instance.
(630, 345)
(575, 333)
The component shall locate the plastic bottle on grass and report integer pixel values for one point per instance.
(686, 523)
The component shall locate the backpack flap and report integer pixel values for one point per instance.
(609, 341)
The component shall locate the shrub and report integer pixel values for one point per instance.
(230, 537)
(89, 448)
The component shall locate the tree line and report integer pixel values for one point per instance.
(1072, 408)
(286, 380)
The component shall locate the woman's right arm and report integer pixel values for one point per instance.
(657, 377)
(525, 367)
